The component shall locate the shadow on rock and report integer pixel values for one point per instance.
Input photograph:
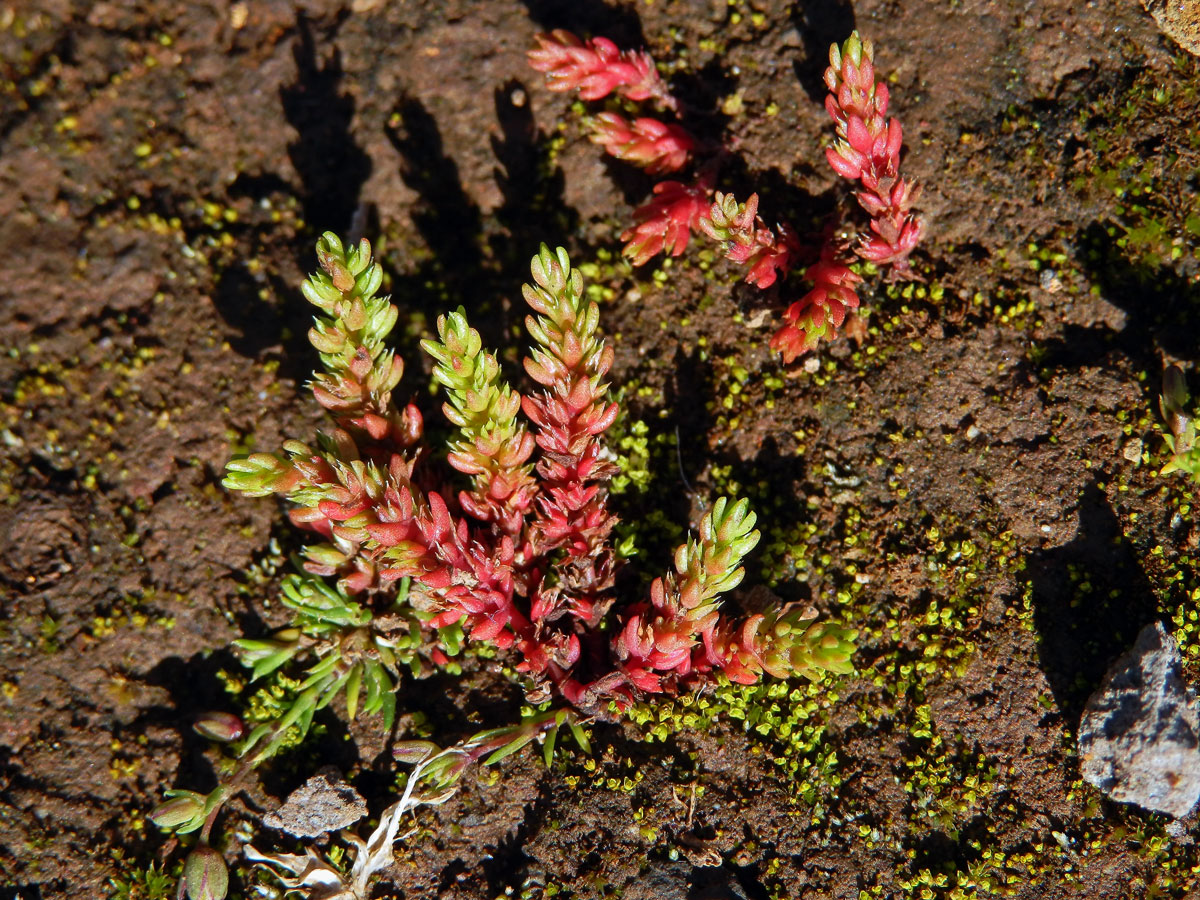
(1162, 305)
(820, 24)
(195, 688)
(238, 299)
(1090, 600)
(617, 22)
(331, 166)
(534, 210)
(447, 219)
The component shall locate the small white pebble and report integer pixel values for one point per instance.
(759, 319)
(1049, 281)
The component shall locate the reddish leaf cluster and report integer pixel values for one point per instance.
(767, 256)
(748, 242)
(868, 151)
(666, 222)
(655, 146)
(821, 311)
(596, 68)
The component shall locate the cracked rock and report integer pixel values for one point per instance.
(1138, 738)
(1179, 19)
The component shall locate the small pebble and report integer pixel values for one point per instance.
(1133, 451)
(324, 803)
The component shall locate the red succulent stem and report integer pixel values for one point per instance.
(493, 447)
(658, 147)
(570, 413)
(597, 68)
(657, 644)
(868, 151)
(526, 561)
(821, 311)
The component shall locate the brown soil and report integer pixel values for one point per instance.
(963, 482)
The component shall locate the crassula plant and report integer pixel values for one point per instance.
(509, 545)
(522, 555)
(867, 152)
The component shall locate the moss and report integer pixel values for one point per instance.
(1146, 214)
(270, 699)
(135, 881)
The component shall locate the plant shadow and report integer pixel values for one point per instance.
(820, 23)
(331, 166)
(1090, 599)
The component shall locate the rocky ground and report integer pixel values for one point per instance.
(970, 478)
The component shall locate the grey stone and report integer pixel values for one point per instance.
(1138, 738)
(323, 803)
